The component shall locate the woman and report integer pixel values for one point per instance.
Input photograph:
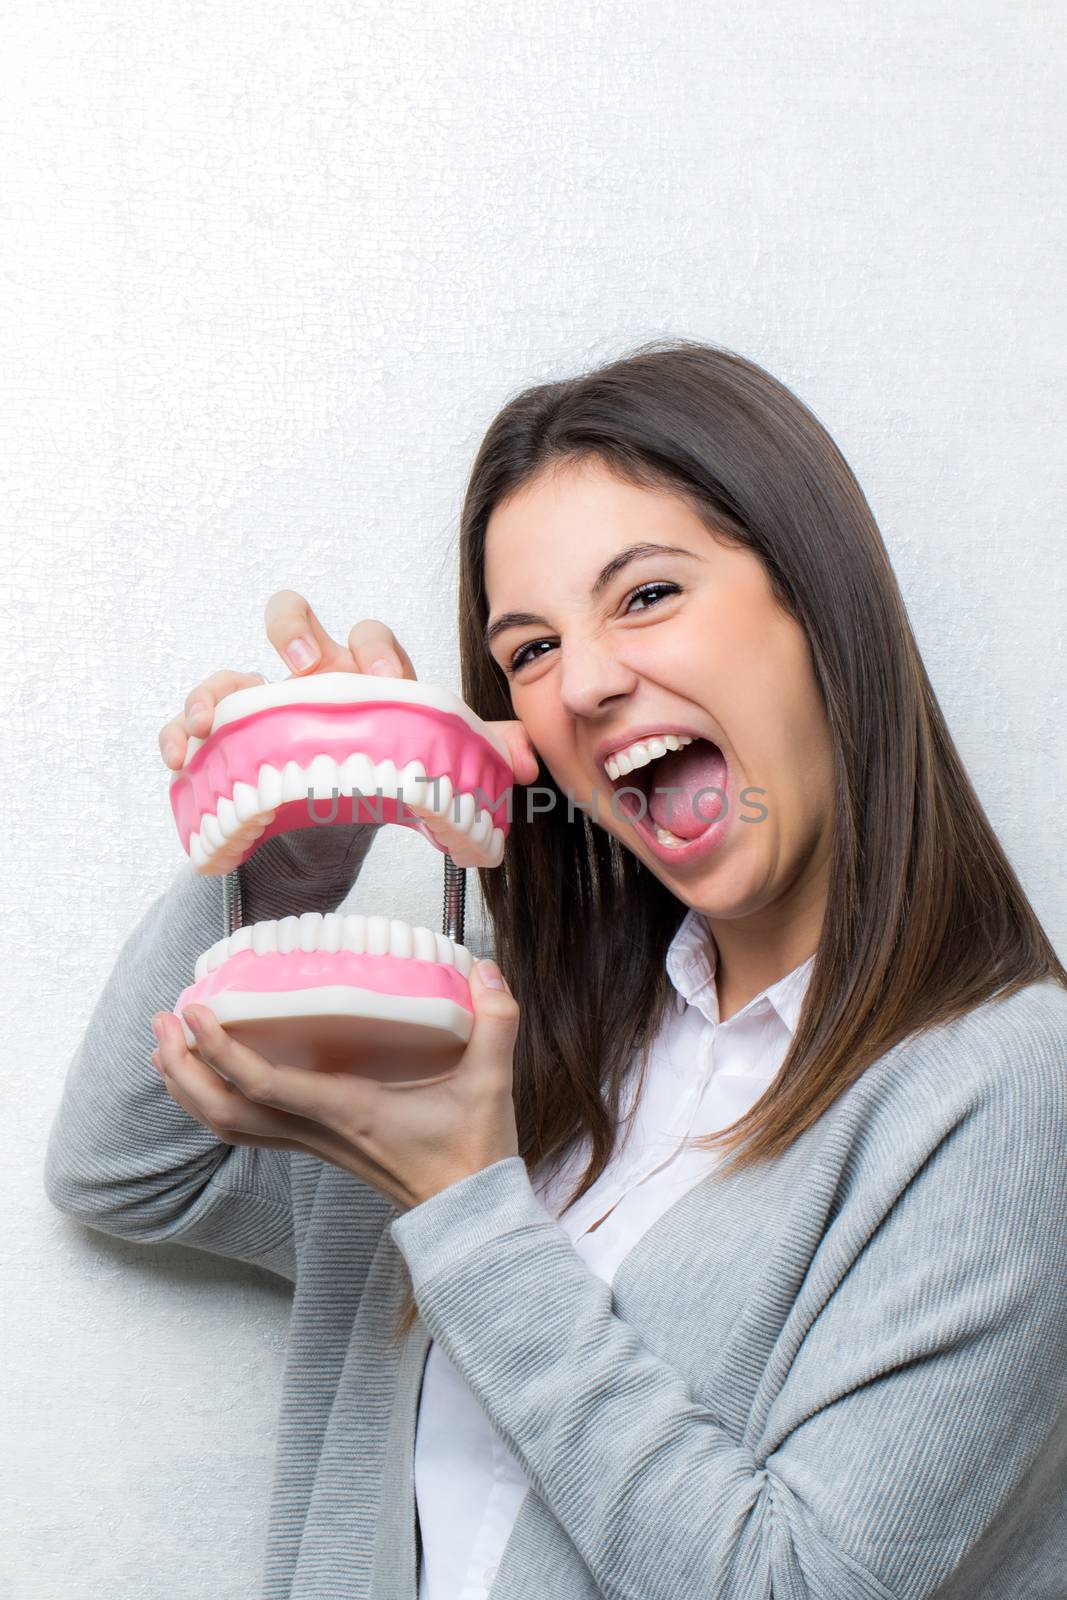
(793, 1319)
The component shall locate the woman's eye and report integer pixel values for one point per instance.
(519, 659)
(646, 588)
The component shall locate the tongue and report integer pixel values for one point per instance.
(685, 811)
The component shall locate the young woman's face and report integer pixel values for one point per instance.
(593, 665)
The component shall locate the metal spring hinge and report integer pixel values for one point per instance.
(452, 915)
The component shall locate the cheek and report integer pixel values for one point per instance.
(538, 708)
(768, 773)
(550, 729)
(790, 769)
(770, 705)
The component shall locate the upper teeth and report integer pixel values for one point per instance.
(460, 822)
(331, 932)
(641, 753)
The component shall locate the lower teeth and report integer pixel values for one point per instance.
(665, 836)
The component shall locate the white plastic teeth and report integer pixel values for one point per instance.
(222, 839)
(641, 753)
(330, 931)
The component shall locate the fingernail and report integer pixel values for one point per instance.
(301, 653)
(491, 975)
(386, 667)
(157, 1027)
(170, 752)
(197, 709)
(194, 1022)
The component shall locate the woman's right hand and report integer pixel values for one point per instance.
(304, 645)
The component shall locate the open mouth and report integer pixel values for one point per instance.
(342, 747)
(676, 798)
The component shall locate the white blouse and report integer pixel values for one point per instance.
(702, 1075)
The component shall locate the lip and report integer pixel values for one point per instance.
(619, 741)
(704, 845)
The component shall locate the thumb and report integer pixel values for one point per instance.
(496, 1013)
(520, 748)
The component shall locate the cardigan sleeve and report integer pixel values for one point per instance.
(122, 1156)
(909, 1417)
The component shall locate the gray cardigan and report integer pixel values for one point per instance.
(840, 1377)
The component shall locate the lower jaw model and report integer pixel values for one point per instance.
(370, 994)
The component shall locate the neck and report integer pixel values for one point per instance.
(755, 951)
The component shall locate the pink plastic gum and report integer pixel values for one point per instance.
(402, 732)
(308, 969)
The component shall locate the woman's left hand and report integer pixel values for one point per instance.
(410, 1140)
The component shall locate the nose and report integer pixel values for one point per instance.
(590, 675)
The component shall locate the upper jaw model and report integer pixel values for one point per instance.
(363, 993)
(405, 753)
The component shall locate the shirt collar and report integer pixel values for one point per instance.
(691, 961)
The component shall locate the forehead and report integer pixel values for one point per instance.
(567, 522)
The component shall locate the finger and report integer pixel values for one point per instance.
(300, 638)
(231, 1116)
(197, 1101)
(524, 758)
(198, 712)
(318, 1095)
(172, 742)
(239, 1118)
(376, 649)
(491, 1048)
(236, 1120)
(200, 703)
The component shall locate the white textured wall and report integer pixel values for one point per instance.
(267, 271)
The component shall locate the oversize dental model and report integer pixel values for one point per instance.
(333, 992)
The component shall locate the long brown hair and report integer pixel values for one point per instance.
(925, 916)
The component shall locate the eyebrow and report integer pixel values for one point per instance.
(633, 552)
